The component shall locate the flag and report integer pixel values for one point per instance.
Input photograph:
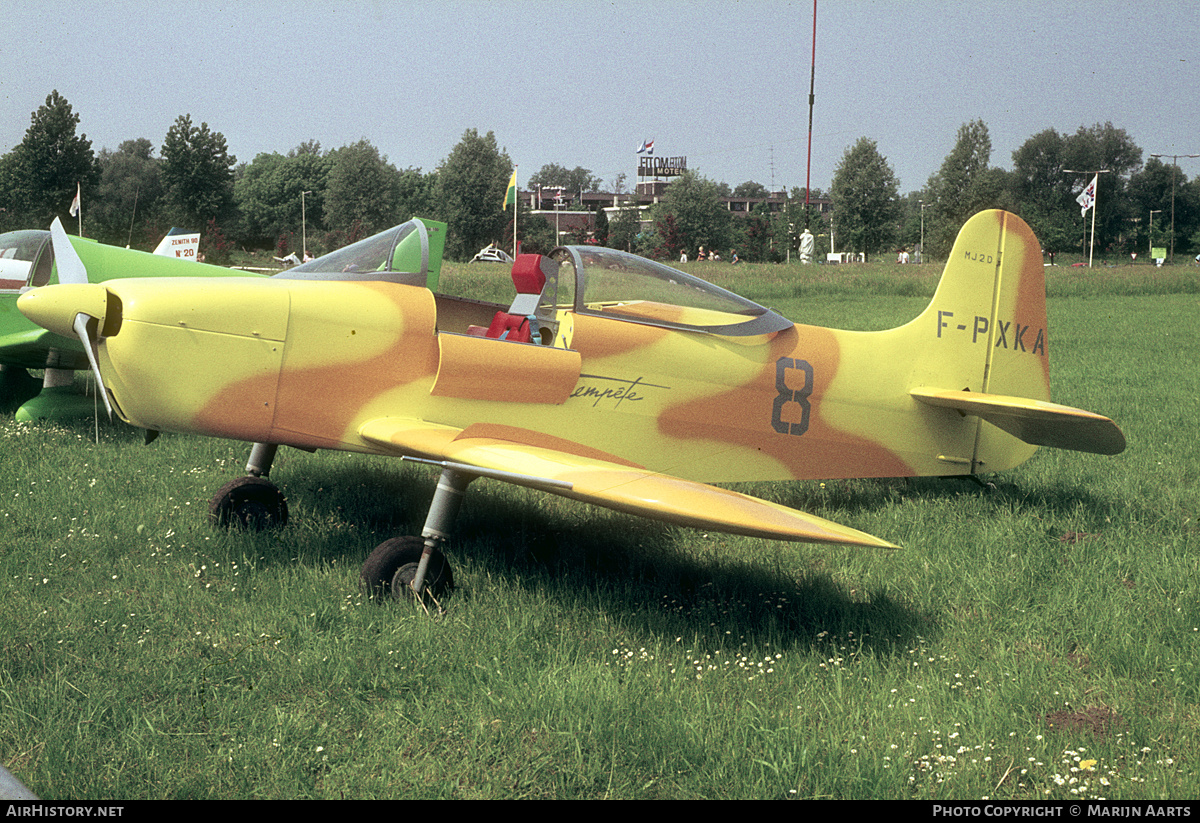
(1088, 198)
(75, 202)
(647, 147)
(510, 194)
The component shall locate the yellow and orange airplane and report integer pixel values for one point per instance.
(610, 379)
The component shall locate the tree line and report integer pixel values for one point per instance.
(323, 199)
(1134, 206)
(1138, 204)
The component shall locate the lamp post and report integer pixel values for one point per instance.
(1151, 230)
(1174, 174)
(1095, 199)
(558, 199)
(303, 226)
(921, 254)
(787, 215)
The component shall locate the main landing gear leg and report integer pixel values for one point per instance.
(451, 488)
(261, 458)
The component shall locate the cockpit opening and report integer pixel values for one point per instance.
(588, 280)
(26, 259)
(618, 285)
(410, 253)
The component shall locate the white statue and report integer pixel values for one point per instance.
(806, 246)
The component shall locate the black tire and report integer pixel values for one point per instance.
(391, 568)
(17, 386)
(250, 503)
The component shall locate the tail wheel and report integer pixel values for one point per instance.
(250, 503)
(392, 566)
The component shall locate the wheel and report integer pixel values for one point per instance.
(251, 503)
(392, 566)
(16, 387)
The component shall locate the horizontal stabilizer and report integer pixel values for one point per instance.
(1033, 421)
(618, 486)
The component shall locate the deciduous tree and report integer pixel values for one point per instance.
(755, 240)
(573, 181)
(670, 240)
(1043, 194)
(962, 186)
(1103, 146)
(128, 205)
(751, 189)
(362, 192)
(534, 231)
(865, 196)
(1157, 186)
(197, 173)
(700, 218)
(624, 228)
(38, 178)
(469, 193)
(268, 195)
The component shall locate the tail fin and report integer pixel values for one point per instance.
(988, 316)
(179, 243)
(988, 349)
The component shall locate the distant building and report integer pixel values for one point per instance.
(553, 202)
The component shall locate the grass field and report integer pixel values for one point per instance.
(1041, 640)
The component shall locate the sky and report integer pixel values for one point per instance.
(585, 82)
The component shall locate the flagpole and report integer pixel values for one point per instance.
(133, 217)
(812, 79)
(1095, 199)
(76, 209)
(1092, 244)
(511, 189)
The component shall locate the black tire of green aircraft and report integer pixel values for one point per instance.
(16, 386)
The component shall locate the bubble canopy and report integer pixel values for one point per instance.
(590, 280)
(22, 252)
(400, 254)
(615, 284)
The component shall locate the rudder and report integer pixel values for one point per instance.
(986, 326)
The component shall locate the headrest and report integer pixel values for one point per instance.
(527, 274)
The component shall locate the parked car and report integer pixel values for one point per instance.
(491, 254)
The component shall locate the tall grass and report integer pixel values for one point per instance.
(1036, 641)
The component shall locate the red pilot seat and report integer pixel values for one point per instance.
(529, 280)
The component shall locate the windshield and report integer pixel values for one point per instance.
(400, 254)
(613, 283)
(19, 251)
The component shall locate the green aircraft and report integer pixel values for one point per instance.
(27, 261)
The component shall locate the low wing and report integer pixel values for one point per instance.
(37, 348)
(595, 477)
(1033, 421)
